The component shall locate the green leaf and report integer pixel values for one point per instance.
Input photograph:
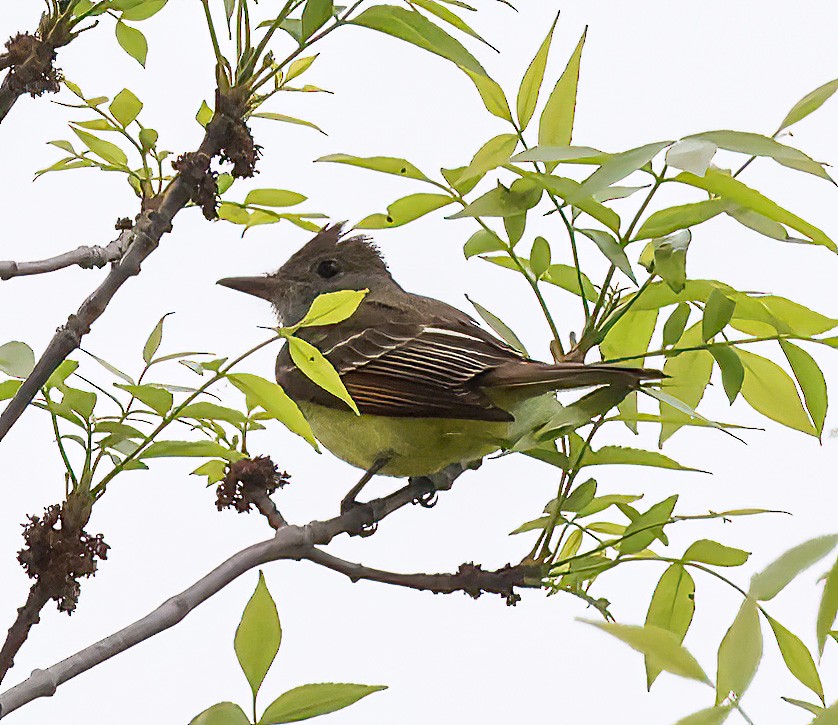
(97, 124)
(670, 254)
(567, 277)
(689, 374)
(81, 401)
(739, 653)
(62, 372)
(500, 202)
(315, 14)
(330, 308)
(273, 197)
(611, 249)
(405, 210)
(540, 257)
(630, 335)
(148, 139)
(491, 94)
(734, 190)
(215, 471)
(580, 497)
(710, 552)
(210, 411)
(773, 579)
(154, 339)
(451, 18)
(492, 154)
(568, 190)
(811, 381)
(8, 388)
(104, 149)
(498, 325)
(671, 608)
(190, 449)
(709, 716)
(555, 127)
(16, 359)
(224, 713)
(647, 527)
(808, 706)
(828, 608)
(755, 144)
(483, 241)
(156, 398)
(258, 636)
(732, 369)
(675, 324)
(670, 220)
(132, 42)
(204, 115)
(287, 119)
(622, 455)
(619, 166)
(383, 164)
(770, 391)
(532, 80)
(661, 647)
(797, 657)
(125, 107)
(717, 313)
(307, 701)
(319, 370)
(415, 28)
(809, 103)
(566, 155)
(275, 401)
(143, 10)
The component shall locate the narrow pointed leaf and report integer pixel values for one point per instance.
(671, 608)
(499, 326)
(670, 220)
(828, 609)
(258, 635)
(776, 576)
(555, 127)
(811, 381)
(308, 701)
(810, 103)
(739, 653)
(532, 80)
(710, 552)
(611, 249)
(383, 164)
(313, 364)
(797, 657)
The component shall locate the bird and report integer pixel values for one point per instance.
(433, 388)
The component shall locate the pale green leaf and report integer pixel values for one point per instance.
(104, 149)
(287, 119)
(16, 359)
(499, 326)
(732, 369)
(739, 653)
(776, 576)
(190, 449)
(315, 15)
(675, 324)
(224, 713)
(718, 311)
(273, 197)
(809, 103)
(483, 241)
(405, 210)
(491, 93)
(332, 307)
(828, 608)
(611, 249)
(132, 42)
(670, 220)
(125, 107)
(258, 636)
(710, 552)
(152, 344)
(307, 701)
(709, 716)
(383, 164)
(660, 647)
(155, 397)
(492, 154)
(619, 166)
(556, 125)
(811, 381)
(797, 657)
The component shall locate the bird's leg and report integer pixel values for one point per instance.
(350, 499)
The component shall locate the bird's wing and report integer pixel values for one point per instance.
(405, 369)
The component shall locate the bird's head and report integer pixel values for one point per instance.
(328, 263)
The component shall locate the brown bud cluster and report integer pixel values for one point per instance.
(194, 169)
(241, 150)
(247, 478)
(57, 556)
(31, 67)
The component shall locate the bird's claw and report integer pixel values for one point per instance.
(427, 500)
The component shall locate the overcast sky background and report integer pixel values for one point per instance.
(649, 72)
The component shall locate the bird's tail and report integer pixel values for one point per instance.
(565, 376)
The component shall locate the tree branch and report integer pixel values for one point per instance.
(150, 226)
(84, 256)
(27, 617)
(290, 542)
(469, 578)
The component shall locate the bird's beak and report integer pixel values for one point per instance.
(263, 287)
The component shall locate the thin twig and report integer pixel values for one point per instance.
(84, 257)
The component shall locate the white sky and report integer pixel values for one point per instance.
(649, 72)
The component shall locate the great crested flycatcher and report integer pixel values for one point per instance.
(433, 388)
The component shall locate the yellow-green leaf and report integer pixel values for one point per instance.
(739, 653)
(223, 713)
(811, 381)
(689, 374)
(273, 197)
(132, 42)
(778, 574)
(332, 307)
(103, 149)
(670, 220)
(660, 646)
(275, 401)
(809, 103)
(125, 107)
(671, 608)
(797, 657)
(258, 635)
(491, 93)
(717, 313)
(556, 125)
(828, 608)
(16, 359)
(308, 701)
(319, 370)
(531, 82)
(405, 210)
(383, 164)
(492, 154)
(710, 552)
(770, 391)
(190, 449)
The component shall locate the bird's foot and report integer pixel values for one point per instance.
(350, 500)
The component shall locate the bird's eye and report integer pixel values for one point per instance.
(327, 268)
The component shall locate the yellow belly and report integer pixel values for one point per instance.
(418, 446)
